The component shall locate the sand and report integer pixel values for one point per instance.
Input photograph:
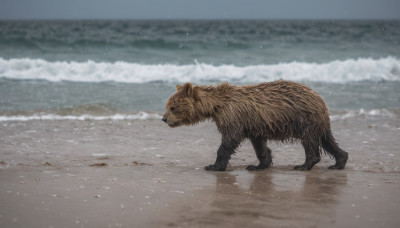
(144, 174)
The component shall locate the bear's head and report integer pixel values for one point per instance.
(181, 106)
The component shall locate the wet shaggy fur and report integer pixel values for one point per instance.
(279, 110)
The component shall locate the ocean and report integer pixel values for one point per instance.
(76, 70)
(82, 141)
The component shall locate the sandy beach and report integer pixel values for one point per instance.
(141, 173)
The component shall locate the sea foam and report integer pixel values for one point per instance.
(349, 114)
(350, 70)
(138, 116)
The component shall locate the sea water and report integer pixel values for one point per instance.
(51, 70)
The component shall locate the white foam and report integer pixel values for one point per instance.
(362, 113)
(335, 72)
(138, 116)
(145, 116)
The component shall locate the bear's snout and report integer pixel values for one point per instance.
(164, 119)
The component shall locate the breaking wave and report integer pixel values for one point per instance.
(351, 70)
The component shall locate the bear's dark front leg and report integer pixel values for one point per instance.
(311, 148)
(225, 150)
(263, 154)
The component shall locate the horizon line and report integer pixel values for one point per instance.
(199, 19)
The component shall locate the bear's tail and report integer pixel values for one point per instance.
(329, 145)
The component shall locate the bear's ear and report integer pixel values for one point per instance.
(178, 87)
(188, 89)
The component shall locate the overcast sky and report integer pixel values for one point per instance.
(200, 9)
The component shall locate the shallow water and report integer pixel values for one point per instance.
(369, 139)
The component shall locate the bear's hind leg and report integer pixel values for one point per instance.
(329, 144)
(311, 149)
(263, 154)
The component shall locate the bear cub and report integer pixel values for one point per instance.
(279, 110)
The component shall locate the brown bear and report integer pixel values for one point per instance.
(279, 110)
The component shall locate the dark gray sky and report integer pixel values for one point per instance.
(200, 9)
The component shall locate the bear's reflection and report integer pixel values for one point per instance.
(275, 197)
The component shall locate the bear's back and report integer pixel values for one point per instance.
(278, 106)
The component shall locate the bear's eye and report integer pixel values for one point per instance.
(172, 108)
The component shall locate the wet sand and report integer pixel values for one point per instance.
(144, 174)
